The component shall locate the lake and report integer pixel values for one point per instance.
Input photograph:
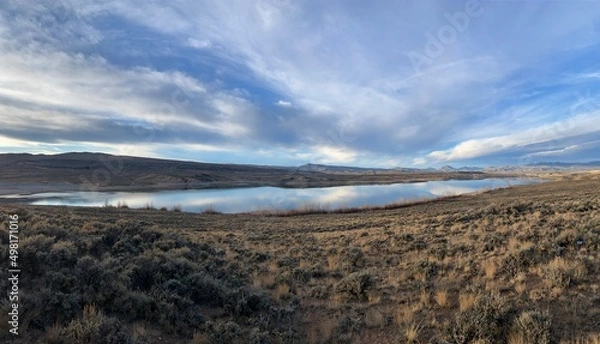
(272, 198)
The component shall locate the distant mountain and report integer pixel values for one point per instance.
(362, 170)
(448, 168)
(544, 167)
(408, 169)
(341, 169)
(592, 164)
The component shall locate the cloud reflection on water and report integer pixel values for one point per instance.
(271, 198)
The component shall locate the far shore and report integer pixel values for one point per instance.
(24, 188)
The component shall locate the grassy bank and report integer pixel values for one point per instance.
(517, 265)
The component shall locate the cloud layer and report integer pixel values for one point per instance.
(290, 82)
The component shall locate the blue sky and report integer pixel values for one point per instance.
(363, 83)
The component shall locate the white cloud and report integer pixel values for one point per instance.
(48, 89)
(576, 126)
(338, 196)
(419, 161)
(283, 103)
(8, 144)
(199, 44)
(325, 65)
(334, 154)
(89, 84)
(593, 75)
(556, 152)
(567, 150)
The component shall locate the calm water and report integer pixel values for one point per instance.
(271, 198)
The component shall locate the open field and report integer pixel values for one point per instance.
(517, 265)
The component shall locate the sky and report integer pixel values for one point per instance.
(382, 83)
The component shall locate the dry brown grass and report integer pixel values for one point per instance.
(322, 331)
(424, 299)
(404, 315)
(265, 281)
(520, 288)
(561, 272)
(199, 338)
(593, 338)
(430, 265)
(516, 338)
(490, 269)
(441, 298)
(54, 334)
(138, 332)
(374, 318)
(333, 262)
(411, 333)
(467, 301)
(282, 292)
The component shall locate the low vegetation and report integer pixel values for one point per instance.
(121, 281)
(518, 265)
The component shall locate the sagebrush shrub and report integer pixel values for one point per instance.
(351, 259)
(489, 320)
(355, 285)
(96, 328)
(532, 327)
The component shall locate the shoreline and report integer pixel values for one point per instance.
(24, 189)
(301, 209)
